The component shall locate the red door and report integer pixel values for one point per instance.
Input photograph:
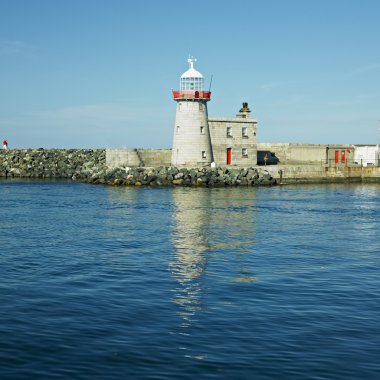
(229, 156)
(343, 156)
(337, 156)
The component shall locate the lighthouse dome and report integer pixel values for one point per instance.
(192, 73)
(191, 80)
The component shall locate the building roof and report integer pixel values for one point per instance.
(191, 72)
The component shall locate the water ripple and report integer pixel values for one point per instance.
(113, 283)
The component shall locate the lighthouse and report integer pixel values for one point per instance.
(191, 140)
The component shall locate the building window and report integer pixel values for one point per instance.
(191, 84)
(177, 129)
(229, 132)
(179, 106)
(203, 154)
(202, 130)
(244, 132)
(254, 133)
(244, 152)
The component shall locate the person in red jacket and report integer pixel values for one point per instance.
(5, 144)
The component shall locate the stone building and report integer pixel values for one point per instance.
(233, 139)
(202, 141)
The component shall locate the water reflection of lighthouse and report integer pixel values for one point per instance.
(190, 242)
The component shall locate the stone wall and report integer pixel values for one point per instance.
(320, 154)
(311, 154)
(125, 157)
(289, 154)
(287, 174)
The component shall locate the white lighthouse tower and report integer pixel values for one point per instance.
(191, 141)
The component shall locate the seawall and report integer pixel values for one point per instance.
(90, 165)
(121, 157)
(289, 174)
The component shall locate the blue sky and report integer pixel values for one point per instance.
(99, 73)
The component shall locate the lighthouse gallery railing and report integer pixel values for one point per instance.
(191, 95)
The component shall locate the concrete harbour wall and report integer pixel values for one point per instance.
(126, 157)
(290, 154)
(322, 173)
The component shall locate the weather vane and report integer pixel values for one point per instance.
(191, 61)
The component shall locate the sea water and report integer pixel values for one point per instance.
(104, 282)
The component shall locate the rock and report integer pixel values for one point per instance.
(179, 175)
(177, 181)
(172, 171)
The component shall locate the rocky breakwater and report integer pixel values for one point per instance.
(171, 176)
(76, 164)
(89, 165)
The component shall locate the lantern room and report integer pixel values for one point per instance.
(191, 80)
(191, 84)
